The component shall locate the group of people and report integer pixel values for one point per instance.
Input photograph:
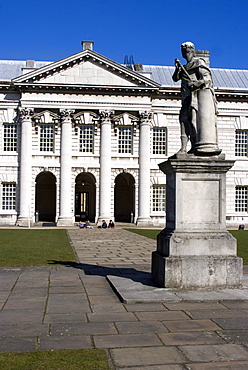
(86, 225)
(111, 225)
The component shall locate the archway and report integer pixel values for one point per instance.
(85, 197)
(124, 198)
(45, 196)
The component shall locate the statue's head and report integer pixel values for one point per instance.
(188, 50)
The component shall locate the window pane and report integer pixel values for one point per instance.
(8, 196)
(158, 198)
(241, 143)
(46, 138)
(159, 141)
(241, 199)
(125, 140)
(10, 138)
(86, 139)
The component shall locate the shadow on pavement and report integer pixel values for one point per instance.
(143, 277)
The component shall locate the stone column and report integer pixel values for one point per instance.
(25, 180)
(66, 189)
(105, 167)
(144, 170)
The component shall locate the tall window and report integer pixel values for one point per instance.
(47, 138)
(158, 198)
(125, 139)
(159, 141)
(8, 196)
(10, 138)
(86, 138)
(241, 143)
(241, 199)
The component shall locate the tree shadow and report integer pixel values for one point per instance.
(143, 277)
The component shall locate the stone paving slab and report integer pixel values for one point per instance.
(155, 367)
(131, 291)
(143, 356)
(234, 365)
(235, 336)
(215, 352)
(126, 340)
(190, 338)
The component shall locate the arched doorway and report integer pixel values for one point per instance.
(124, 197)
(45, 196)
(85, 197)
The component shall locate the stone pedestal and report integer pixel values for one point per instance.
(195, 250)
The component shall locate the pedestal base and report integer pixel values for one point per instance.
(197, 272)
(195, 251)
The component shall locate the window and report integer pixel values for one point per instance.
(10, 138)
(8, 196)
(125, 139)
(47, 138)
(241, 143)
(158, 198)
(241, 196)
(86, 138)
(159, 141)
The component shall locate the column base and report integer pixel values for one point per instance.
(144, 221)
(206, 149)
(65, 221)
(197, 272)
(24, 221)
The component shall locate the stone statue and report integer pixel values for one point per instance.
(199, 109)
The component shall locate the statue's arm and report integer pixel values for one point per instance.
(177, 75)
(206, 77)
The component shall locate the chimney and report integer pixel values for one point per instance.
(87, 45)
(204, 54)
(30, 66)
(138, 67)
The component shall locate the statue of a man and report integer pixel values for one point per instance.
(199, 108)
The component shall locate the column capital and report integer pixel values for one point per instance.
(66, 114)
(25, 113)
(145, 117)
(106, 115)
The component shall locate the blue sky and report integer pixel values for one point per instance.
(149, 30)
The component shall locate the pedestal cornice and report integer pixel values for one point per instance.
(195, 164)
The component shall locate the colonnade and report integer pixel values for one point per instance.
(66, 216)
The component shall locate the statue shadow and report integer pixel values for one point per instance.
(133, 274)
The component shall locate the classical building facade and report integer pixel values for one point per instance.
(81, 138)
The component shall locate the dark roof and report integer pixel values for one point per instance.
(10, 69)
(233, 79)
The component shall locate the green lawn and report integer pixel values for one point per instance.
(240, 235)
(84, 359)
(29, 247)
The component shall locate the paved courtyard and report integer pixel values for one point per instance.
(74, 307)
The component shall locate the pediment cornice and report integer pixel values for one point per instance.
(37, 76)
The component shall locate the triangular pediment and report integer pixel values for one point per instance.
(86, 68)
